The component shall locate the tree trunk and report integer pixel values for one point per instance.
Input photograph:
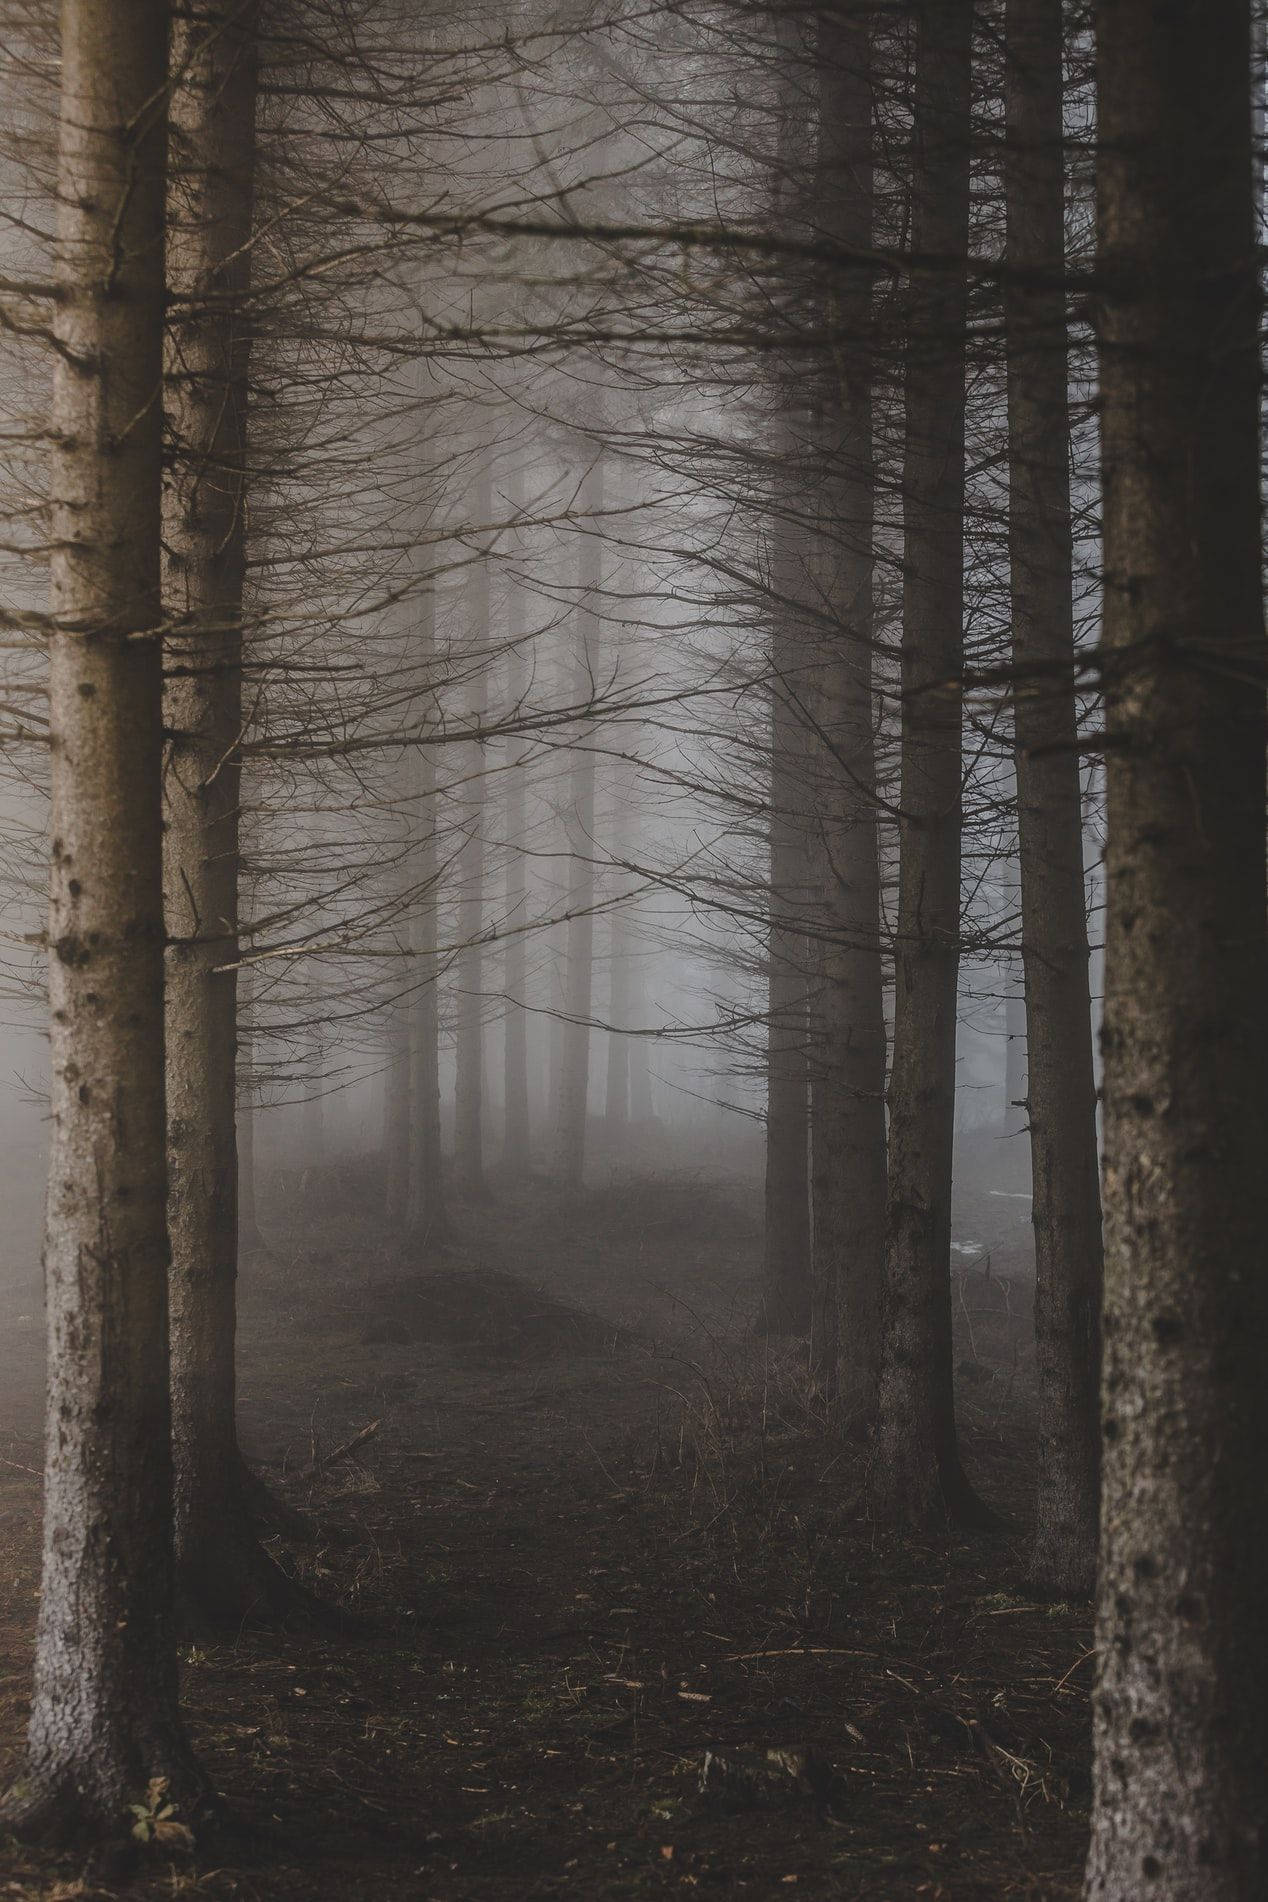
(1053, 1040)
(313, 1122)
(397, 1107)
(848, 1084)
(222, 1568)
(469, 1078)
(516, 1148)
(916, 1475)
(248, 1212)
(642, 1102)
(104, 1717)
(786, 1254)
(1180, 1806)
(427, 1217)
(574, 1078)
(616, 1101)
(1016, 1055)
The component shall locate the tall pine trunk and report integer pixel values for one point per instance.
(574, 1075)
(917, 1477)
(397, 1096)
(516, 1146)
(616, 1096)
(848, 1085)
(426, 1215)
(104, 1717)
(1180, 1805)
(222, 1568)
(1054, 1036)
(469, 1077)
(786, 1252)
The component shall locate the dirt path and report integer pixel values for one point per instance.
(601, 1535)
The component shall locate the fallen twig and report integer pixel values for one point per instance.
(332, 1459)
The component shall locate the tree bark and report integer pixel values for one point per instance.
(916, 1473)
(1016, 1055)
(104, 1717)
(313, 1120)
(574, 1077)
(224, 1572)
(786, 1254)
(1053, 1039)
(616, 1098)
(427, 1216)
(397, 1105)
(848, 1177)
(516, 1145)
(248, 1212)
(469, 1078)
(1180, 1805)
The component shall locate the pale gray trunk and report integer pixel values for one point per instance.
(1016, 1063)
(397, 1105)
(616, 1106)
(848, 1076)
(313, 1119)
(516, 1133)
(574, 1058)
(1180, 1803)
(469, 1079)
(104, 1717)
(426, 1215)
(642, 1102)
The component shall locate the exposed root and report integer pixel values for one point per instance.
(161, 1802)
(226, 1580)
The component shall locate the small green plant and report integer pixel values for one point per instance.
(156, 1820)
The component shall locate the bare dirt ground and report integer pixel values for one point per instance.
(600, 1533)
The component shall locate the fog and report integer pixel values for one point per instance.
(632, 1064)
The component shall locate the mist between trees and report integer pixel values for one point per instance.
(603, 597)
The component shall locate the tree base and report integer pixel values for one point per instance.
(266, 1508)
(226, 1579)
(127, 1798)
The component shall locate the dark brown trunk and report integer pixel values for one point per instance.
(1050, 1048)
(1180, 1805)
(916, 1473)
(248, 1209)
(786, 1255)
(224, 1573)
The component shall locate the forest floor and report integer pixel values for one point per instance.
(602, 1533)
